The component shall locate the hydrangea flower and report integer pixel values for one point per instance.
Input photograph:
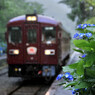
(76, 35)
(59, 76)
(83, 26)
(88, 34)
(71, 78)
(79, 26)
(81, 35)
(84, 55)
(74, 91)
(67, 75)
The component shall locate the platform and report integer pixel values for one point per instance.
(55, 89)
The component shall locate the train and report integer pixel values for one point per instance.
(36, 46)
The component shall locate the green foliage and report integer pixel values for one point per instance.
(13, 8)
(83, 10)
(83, 71)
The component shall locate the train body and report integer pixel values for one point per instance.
(36, 46)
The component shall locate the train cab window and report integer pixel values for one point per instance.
(15, 35)
(48, 35)
(31, 36)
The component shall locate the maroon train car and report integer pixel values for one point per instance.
(36, 46)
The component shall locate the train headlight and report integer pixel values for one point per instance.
(31, 17)
(13, 51)
(50, 52)
(16, 52)
(47, 52)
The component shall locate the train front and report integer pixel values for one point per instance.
(32, 46)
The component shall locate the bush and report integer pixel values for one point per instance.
(80, 76)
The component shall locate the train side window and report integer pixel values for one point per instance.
(15, 35)
(31, 36)
(48, 35)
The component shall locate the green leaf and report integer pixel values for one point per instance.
(67, 69)
(78, 50)
(80, 68)
(73, 66)
(82, 85)
(90, 80)
(90, 72)
(83, 44)
(89, 59)
(71, 84)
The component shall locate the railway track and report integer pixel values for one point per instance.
(3, 66)
(31, 87)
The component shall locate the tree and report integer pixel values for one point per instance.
(82, 10)
(13, 8)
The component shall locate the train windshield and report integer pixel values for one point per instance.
(15, 35)
(31, 36)
(49, 35)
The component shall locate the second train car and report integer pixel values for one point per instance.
(36, 46)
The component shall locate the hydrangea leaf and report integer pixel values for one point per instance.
(80, 68)
(89, 59)
(73, 66)
(90, 80)
(82, 85)
(78, 50)
(90, 29)
(68, 69)
(83, 44)
(90, 72)
(71, 83)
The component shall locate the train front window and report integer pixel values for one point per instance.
(31, 36)
(48, 35)
(15, 35)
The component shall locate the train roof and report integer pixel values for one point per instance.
(41, 19)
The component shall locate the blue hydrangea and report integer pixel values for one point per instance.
(89, 24)
(76, 35)
(88, 34)
(93, 24)
(73, 91)
(71, 78)
(67, 75)
(81, 35)
(83, 26)
(59, 77)
(79, 26)
(84, 55)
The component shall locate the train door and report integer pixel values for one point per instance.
(15, 45)
(49, 45)
(31, 44)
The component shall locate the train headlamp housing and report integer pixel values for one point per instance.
(49, 52)
(31, 18)
(13, 51)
